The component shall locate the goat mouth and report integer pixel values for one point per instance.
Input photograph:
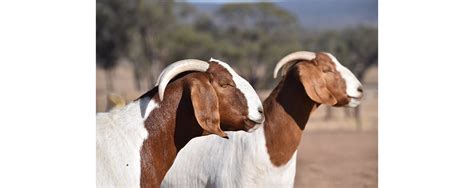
(251, 128)
(256, 121)
(354, 102)
(252, 125)
(352, 97)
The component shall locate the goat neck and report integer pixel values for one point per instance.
(287, 111)
(170, 128)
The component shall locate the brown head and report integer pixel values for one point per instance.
(221, 99)
(324, 79)
(309, 79)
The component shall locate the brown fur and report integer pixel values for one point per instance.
(307, 85)
(193, 104)
(229, 96)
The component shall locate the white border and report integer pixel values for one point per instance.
(47, 80)
(426, 92)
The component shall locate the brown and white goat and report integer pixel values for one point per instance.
(136, 144)
(267, 157)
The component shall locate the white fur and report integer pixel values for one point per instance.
(119, 136)
(240, 161)
(253, 101)
(352, 83)
(150, 107)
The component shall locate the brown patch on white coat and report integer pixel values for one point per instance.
(194, 104)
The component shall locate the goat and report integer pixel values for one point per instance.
(267, 157)
(136, 144)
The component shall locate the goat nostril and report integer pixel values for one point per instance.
(260, 110)
(359, 89)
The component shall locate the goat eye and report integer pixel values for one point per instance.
(226, 85)
(326, 70)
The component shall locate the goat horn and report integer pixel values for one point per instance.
(176, 68)
(292, 58)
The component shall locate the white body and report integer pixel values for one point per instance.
(240, 161)
(119, 136)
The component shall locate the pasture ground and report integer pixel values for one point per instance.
(337, 159)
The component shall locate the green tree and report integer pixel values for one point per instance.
(111, 31)
(135, 30)
(113, 27)
(356, 48)
(259, 34)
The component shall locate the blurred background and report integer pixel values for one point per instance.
(136, 39)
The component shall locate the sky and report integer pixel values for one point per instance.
(226, 1)
(316, 14)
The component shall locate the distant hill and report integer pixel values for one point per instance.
(323, 14)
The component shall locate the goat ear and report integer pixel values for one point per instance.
(206, 107)
(315, 85)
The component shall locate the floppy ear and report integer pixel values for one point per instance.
(206, 107)
(314, 84)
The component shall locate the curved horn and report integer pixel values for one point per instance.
(290, 59)
(176, 68)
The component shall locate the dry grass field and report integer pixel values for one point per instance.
(334, 152)
(337, 159)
